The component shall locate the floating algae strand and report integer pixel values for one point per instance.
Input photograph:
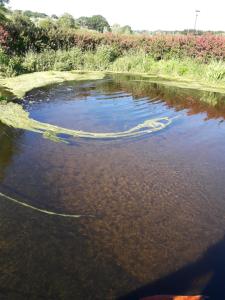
(47, 212)
(14, 115)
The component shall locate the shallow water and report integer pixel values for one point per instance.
(158, 200)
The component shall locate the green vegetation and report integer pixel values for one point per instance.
(34, 42)
(22, 84)
(116, 28)
(97, 22)
(185, 72)
(40, 210)
(14, 115)
(66, 21)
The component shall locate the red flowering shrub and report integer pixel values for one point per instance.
(3, 37)
(19, 38)
(203, 47)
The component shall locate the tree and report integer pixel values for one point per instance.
(3, 10)
(3, 37)
(116, 28)
(127, 29)
(83, 22)
(3, 2)
(23, 34)
(54, 17)
(33, 14)
(66, 21)
(98, 23)
(47, 23)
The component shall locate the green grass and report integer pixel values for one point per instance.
(185, 73)
(58, 66)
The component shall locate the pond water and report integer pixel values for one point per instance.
(152, 206)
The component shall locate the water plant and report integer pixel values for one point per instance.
(44, 211)
(13, 115)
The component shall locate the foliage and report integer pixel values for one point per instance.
(4, 61)
(83, 22)
(97, 22)
(73, 59)
(32, 14)
(116, 28)
(66, 21)
(56, 44)
(138, 62)
(2, 2)
(4, 35)
(215, 71)
(23, 34)
(10, 66)
(54, 17)
(109, 58)
(47, 24)
(101, 59)
(3, 11)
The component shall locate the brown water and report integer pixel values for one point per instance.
(158, 201)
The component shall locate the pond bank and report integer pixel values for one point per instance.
(22, 84)
(18, 86)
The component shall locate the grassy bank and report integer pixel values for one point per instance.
(185, 72)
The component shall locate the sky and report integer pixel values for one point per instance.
(139, 14)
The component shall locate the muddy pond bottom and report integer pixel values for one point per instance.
(151, 207)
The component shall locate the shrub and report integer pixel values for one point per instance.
(14, 67)
(68, 60)
(4, 35)
(10, 66)
(215, 71)
(36, 62)
(138, 62)
(101, 59)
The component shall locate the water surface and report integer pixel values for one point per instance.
(158, 200)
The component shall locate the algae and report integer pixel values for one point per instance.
(13, 115)
(52, 213)
(22, 84)
(18, 86)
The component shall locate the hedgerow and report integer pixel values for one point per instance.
(20, 36)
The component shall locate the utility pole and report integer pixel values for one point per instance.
(196, 17)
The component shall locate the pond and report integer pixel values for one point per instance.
(149, 206)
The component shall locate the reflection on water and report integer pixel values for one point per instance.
(8, 147)
(5, 93)
(158, 200)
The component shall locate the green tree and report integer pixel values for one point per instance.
(98, 23)
(83, 22)
(116, 28)
(127, 29)
(33, 14)
(54, 17)
(24, 35)
(2, 14)
(67, 21)
(3, 2)
(47, 23)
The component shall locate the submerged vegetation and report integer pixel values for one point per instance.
(13, 115)
(44, 211)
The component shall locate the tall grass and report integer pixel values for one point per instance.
(186, 68)
(110, 58)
